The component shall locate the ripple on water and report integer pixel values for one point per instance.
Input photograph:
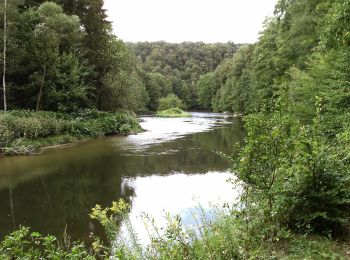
(159, 130)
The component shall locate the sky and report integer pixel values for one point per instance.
(239, 21)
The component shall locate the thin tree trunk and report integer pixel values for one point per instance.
(41, 88)
(4, 56)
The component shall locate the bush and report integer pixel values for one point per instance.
(22, 244)
(225, 237)
(18, 128)
(293, 178)
(173, 112)
(170, 101)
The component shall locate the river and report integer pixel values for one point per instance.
(172, 167)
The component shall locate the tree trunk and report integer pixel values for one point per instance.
(41, 87)
(4, 56)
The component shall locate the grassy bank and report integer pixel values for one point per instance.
(227, 237)
(24, 132)
(172, 113)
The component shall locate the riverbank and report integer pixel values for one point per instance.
(110, 171)
(226, 237)
(24, 132)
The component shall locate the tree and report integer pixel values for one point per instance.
(56, 32)
(68, 91)
(207, 87)
(182, 64)
(4, 56)
(170, 101)
(10, 13)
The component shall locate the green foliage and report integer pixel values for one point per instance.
(23, 244)
(293, 166)
(181, 65)
(259, 75)
(335, 26)
(121, 88)
(22, 132)
(293, 178)
(110, 219)
(234, 93)
(173, 112)
(225, 237)
(157, 86)
(107, 217)
(65, 58)
(318, 198)
(207, 87)
(294, 169)
(170, 101)
(70, 91)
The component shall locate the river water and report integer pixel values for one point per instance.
(172, 167)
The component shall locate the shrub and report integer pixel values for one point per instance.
(293, 178)
(6, 135)
(173, 112)
(22, 244)
(17, 128)
(170, 101)
(224, 237)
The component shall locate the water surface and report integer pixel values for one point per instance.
(173, 167)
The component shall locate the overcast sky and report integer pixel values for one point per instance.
(239, 21)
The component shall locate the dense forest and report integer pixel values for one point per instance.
(298, 62)
(292, 87)
(63, 56)
(167, 68)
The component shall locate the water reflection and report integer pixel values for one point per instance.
(58, 189)
(182, 195)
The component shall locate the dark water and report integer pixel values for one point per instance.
(173, 166)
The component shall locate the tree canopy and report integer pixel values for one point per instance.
(63, 57)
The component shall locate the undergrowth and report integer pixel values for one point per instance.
(23, 132)
(224, 237)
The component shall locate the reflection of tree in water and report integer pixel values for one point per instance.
(77, 179)
(50, 203)
(225, 139)
(192, 154)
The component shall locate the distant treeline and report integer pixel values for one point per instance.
(167, 68)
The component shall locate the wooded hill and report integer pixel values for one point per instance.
(62, 56)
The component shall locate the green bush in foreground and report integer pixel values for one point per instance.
(23, 244)
(294, 178)
(22, 132)
(226, 237)
(173, 112)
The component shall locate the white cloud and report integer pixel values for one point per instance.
(189, 20)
